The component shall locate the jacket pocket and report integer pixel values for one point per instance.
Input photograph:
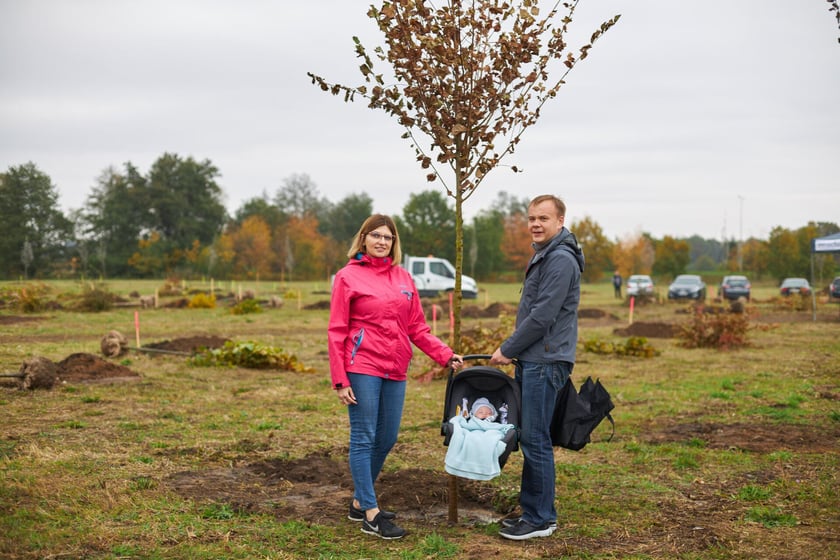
(357, 342)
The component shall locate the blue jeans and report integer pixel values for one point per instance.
(374, 424)
(539, 384)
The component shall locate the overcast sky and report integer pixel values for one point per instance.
(718, 118)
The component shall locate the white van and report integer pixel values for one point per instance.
(432, 276)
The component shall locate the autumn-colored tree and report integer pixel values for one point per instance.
(221, 259)
(149, 259)
(596, 246)
(755, 255)
(301, 249)
(252, 246)
(633, 255)
(671, 257)
(516, 247)
(784, 255)
(470, 77)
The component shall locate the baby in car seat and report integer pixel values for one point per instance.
(478, 441)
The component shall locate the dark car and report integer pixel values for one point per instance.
(792, 286)
(687, 286)
(734, 287)
(834, 288)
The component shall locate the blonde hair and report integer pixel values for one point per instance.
(373, 222)
(559, 204)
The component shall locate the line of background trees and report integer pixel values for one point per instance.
(171, 222)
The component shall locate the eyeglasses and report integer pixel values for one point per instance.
(378, 236)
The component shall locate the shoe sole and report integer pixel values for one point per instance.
(380, 535)
(533, 534)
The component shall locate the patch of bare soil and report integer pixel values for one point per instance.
(190, 344)
(15, 319)
(649, 330)
(758, 438)
(82, 367)
(318, 489)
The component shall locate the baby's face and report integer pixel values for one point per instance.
(483, 412)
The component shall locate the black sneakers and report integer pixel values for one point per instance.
(507, 523)
(522, 530)
(382, 527)
(357, 514)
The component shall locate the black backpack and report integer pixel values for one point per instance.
(577, 414)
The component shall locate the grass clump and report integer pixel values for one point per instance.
(770, 517)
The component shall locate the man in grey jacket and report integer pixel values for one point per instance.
(544, 342)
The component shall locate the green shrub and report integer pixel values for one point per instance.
(249, 355)
(246, 306)
(634, 346)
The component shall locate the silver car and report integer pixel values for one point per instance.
(639, 284)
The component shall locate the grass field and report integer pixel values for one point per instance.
(717, 454)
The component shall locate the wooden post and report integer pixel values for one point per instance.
(453, 499)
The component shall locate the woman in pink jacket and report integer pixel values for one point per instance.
(375, 316)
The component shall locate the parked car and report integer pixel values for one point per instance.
(687, 286)
(639, 284)
(795, 286)
(734, 287)
(834, 288)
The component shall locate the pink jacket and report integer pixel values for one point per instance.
(375, 316)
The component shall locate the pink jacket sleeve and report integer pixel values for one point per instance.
(337, 332)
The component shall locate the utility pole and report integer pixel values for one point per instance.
(740, 232)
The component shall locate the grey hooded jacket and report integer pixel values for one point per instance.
(546, 322)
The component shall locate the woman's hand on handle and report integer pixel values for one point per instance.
(456, 362)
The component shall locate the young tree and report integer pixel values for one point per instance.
(471, 77)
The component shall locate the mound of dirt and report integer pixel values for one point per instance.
(190, 345)
(592, 313)
(491, 311)
(90, 368)
(649, 330)
(318, 489)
